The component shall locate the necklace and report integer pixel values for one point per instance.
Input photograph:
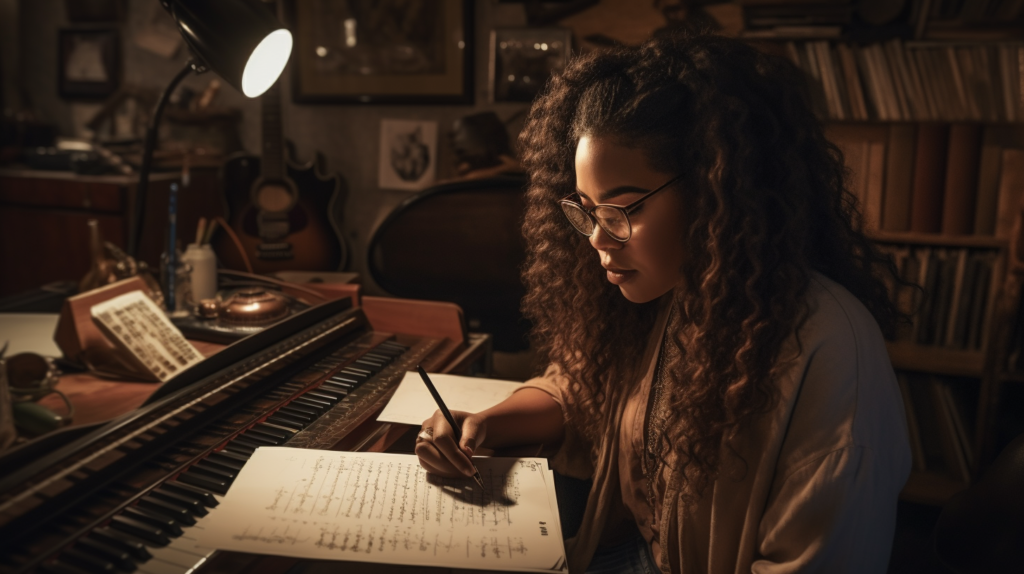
(655, 424)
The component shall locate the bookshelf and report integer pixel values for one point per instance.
(926, 106)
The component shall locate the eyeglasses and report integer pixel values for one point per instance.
(613, 219)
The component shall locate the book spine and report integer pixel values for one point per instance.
(928, 185)
(899, 173)
(961, 178)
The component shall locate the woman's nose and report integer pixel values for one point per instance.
(601, 241)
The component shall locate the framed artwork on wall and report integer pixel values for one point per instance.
(392, 51)
(89, 63)
(522, 59)
(408, 154)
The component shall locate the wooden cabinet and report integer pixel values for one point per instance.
(44, 234)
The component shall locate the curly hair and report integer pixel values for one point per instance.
(768, 203)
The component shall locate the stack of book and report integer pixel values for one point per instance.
(916, 81)
(953, 294)
(940, 420)
(953, 179)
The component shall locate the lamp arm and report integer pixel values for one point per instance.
(147, 159)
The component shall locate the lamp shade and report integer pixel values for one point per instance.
(240, 40)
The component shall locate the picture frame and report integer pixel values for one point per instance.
(89, 65)
(377, 53)
(408, 154)
(522, 59)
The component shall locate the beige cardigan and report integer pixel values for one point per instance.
(823, 469)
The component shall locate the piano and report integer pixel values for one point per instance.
(132, 494)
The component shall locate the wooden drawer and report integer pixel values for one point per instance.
(67, 194)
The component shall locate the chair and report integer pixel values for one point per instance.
(460, 242)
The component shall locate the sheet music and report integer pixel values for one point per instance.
(412, 404)
(376, 507)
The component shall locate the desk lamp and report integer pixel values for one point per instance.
(241, 40)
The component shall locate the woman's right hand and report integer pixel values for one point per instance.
(436, 447)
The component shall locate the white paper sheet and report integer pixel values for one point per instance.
(412, 404)
(376, 507)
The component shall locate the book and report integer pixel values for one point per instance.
(899, 174)
(994, 140)
(959, 267)
(875, 185)
(908, 296)
(939, 313)
(964, 302)
(961, 178)
(952, 451)
(1011, 190)
(848, 63)
(913, 430)
(928, 270)
(854, 141)
(959, 410)
(979, 302)
(928, 189)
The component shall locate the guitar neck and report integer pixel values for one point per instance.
(273, 138)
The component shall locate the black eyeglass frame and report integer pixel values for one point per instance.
(624, 209)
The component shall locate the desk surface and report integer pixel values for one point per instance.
(100, 400)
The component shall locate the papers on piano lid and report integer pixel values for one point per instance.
(412, 403)
(376, 507)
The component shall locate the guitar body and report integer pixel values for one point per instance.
(304, 199)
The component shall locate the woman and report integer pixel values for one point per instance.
(699, 283)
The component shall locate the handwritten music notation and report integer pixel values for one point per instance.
(376, 507)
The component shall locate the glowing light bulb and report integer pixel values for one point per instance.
(266, 62)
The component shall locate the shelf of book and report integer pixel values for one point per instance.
(937, 361)
(929, 487)
(937, 239)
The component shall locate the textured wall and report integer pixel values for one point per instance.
(347, 135)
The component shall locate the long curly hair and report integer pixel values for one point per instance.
(768, 201)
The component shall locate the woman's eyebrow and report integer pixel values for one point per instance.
(613, 193)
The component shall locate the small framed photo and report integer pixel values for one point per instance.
(407, 52)
(408, 154)
(89, 66)
(522, 59)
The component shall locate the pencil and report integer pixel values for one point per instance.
(448, 417)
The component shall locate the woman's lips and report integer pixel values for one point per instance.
(619, 276)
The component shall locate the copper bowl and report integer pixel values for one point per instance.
(253, 306)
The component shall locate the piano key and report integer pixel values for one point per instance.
(203, 481)
(283, 422)
(301, 408)
(207, 497)
(230, 455)
(176, 556)
(283, 434)
(256, 436)
(297, 414)
(372, 364)
(353, 370)
(86, 561)
(379, 357)
(325, 395)
(335, 388)
(165, 523)
(120, 541)
(239, 449)
(242, 440)
(343, 380)
(179, 513)
(284, 416)
(118, 557)
(211, 467)
(225, 461)
(161, 567)
(192, 503)
(145, 531)
(319, 406)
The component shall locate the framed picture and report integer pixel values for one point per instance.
(408, 154)
(522, 59)
(89, 66)
(392, 51)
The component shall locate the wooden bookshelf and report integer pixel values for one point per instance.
(938, 239)
(937, 361)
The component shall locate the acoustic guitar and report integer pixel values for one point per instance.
(280, 210)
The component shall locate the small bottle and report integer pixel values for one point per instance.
(204, 270)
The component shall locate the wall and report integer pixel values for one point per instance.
(347, 135)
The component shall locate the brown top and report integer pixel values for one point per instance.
(810, 486)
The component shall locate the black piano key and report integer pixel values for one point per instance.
(325, 395)
(191, 502)
(86, 561)
(118, 540)
(283, 434)
(320, 406)
(209, 500)
(336, 388)
(301, 408)
(179, 513)
(235, 457)
(246, 442)
(225, 461)
(295, 422)
(392, 346)
(165, 523)
(143, 530)
(343, 380)
(120, 558)
(295, 414)
(353, 370)
(240, 449)
(61, 568)
(203, 481)
(379, 357)
(281, 421)
(262, 439)
(371, 364)
(211, 467)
